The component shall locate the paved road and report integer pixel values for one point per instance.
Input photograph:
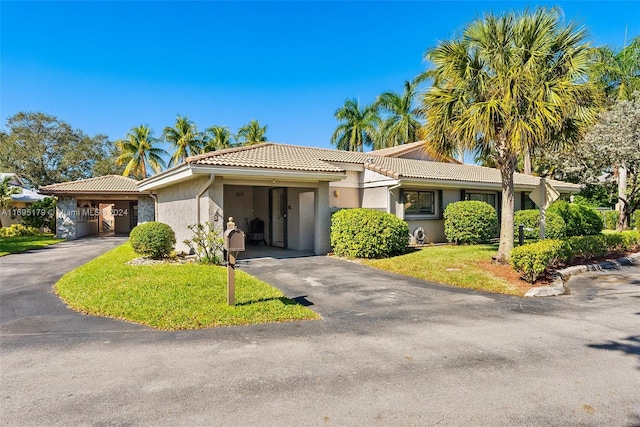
(389, 351)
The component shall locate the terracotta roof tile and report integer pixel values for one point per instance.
(101, 184)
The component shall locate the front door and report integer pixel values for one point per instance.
(278, 217)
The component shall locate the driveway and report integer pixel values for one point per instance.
(389, 351)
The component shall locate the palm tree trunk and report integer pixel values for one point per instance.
(507, 166)
(622, 198)
(527, 162)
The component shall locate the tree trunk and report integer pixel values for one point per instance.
(622, 198)
(527, 162)
(507, 167)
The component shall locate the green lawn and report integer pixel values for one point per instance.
(15, 245)
(172, 296)
(464, 266)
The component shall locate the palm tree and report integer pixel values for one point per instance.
(358, 127)
(139, 154)
(184, 139)
(618, 73)
(217, 138)
(252, 133)
(511, 83)
(6, 191)
(402, 124)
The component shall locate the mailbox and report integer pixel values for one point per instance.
(234, 240)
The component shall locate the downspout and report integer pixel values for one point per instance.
(393, 187)
(205, 187)
(155, 205)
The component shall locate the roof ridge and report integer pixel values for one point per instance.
(217, 153)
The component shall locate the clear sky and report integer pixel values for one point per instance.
(105, 67)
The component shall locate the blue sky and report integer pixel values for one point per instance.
(105, 67)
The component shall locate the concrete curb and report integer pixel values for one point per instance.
(557, 287)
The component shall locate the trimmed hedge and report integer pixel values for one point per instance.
(17, 230)
(580, 220)
(470, 221)
(153, 239)
(531, 260)
(530, 218)
(366, 233)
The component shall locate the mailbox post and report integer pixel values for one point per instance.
(233, 243)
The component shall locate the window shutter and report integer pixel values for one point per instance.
(463, 194)
(440, 205)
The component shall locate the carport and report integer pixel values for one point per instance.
(106, 205)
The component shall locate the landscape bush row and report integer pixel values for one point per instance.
(562, 219)
(17, 230)
(532, 260)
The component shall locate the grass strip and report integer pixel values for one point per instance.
(172, 296)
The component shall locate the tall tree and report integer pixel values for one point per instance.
(618, 76)
(402, 123)
(218, 138)
(43, 150)
(139, 153)
(252, 133)
(510, 83)
(184, 138)
(359, 127)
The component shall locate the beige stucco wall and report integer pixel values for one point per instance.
(375, 198)
(433, 229)
(344, 197)
(177, 207)
(5, 214)
(239, 203)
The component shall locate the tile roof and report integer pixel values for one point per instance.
(101, 184)
(399, 150)
(270, 155)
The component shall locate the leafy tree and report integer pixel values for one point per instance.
(6, 191)
(252, 133)
(43, 214)
(402, 124)
(44, 150)
(614, 140)
(510, 83)
(218, 138)
(139, 153)
(358, 127)
(184, 138)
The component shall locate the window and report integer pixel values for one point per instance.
(482, 197)
(419, 202)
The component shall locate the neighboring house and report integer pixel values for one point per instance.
(295, 189)
(106, 204)
(21, 201)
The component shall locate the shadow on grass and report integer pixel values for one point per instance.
(301, 300)
(629, 345)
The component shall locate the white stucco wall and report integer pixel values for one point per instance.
(433, 229)
(239, 203)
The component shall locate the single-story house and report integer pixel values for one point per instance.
(19, 202)
(109, 204)
(295, 189)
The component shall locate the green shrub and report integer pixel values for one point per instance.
(16, 230)
(530, 218)
(366, 233)
(580, 220)
(611, 220)
(470, 221)
(153, 239)
(207, 243)
(531, 260)
(41, 214)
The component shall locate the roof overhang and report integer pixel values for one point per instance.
(188, 171)
(452, 184)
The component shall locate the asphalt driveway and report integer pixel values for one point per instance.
(389, 351)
